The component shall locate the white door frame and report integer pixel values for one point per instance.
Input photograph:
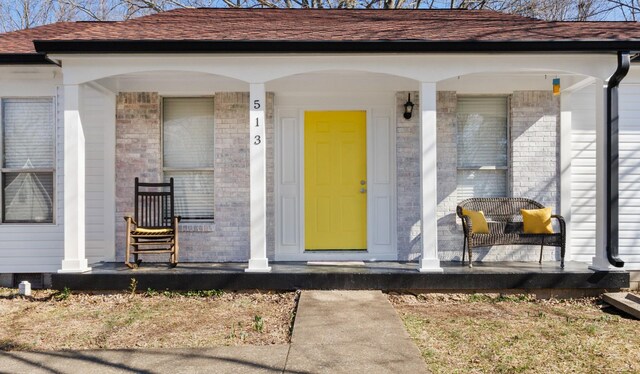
(380, 115)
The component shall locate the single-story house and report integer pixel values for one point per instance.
(250, 110)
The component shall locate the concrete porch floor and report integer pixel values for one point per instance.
(526, 276)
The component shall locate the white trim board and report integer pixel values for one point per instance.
(289, 180)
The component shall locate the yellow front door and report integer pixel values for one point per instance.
(335, 175)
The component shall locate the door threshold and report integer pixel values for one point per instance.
(335, 251)
(335, 263)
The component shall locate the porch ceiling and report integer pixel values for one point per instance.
(341, 81)
(192, 83)
(506, 83)
(173, 82)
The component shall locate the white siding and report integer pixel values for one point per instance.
(583, 170)
(39, 247)
(629, 107)
(35, 247)
(583, 175)
(98, 121)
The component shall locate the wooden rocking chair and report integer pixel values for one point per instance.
(154, 226)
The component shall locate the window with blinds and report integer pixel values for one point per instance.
(188, 135)
(482, 147)
(28, 159)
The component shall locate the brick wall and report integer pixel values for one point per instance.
(535, 157)
(533, 163)
(408, 178)
(138, 153)
(449, 234)
(535, 145)
(408, 175)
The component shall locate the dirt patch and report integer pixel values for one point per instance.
(52, 320)
(494, 333)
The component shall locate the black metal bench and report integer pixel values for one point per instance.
(505, 225)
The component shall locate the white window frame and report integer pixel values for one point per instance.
(507, 167)
(51, 170)
(190, 220)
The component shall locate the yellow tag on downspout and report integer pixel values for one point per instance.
(556, 86)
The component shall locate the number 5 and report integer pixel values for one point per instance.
(256, 104)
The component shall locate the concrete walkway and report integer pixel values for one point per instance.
(334, 332)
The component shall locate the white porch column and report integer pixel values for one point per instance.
(600, 261)
(565, 165)
(428, 179)
(74, 185)
(258, 180)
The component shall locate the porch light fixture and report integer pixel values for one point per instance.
(408, 108)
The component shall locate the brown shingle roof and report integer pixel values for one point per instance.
(21, 41)
(299, 26)
(348, 25)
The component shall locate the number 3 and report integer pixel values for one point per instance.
(258, 141)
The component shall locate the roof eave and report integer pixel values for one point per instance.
(25, 59)
(381, 46)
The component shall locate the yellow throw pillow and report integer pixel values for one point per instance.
(537, 221)
(478, 222)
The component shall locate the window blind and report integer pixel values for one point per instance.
(189, 155)
(27, 126)
(27, 144)
(188, 132)
(481, 183)
(482, 132)
(482, 147)
(193, 193)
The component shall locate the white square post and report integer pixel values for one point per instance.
(600, 261)
(428, 179)
(566, 108)
(258, 261)
(74, 260)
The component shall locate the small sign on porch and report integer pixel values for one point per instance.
(556, 86)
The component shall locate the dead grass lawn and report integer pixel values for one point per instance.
(494, 334)
(52, 321)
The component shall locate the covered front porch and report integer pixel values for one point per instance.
(263, 228)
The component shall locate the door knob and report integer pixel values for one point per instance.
(363, 182)
(363, 190)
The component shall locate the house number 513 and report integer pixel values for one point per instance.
(256, 139)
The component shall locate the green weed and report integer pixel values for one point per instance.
(258, 324)
(478, 298)
(62, 295)
(133, 286)
(203, 293)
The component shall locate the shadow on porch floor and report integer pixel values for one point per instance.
(526, 276)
